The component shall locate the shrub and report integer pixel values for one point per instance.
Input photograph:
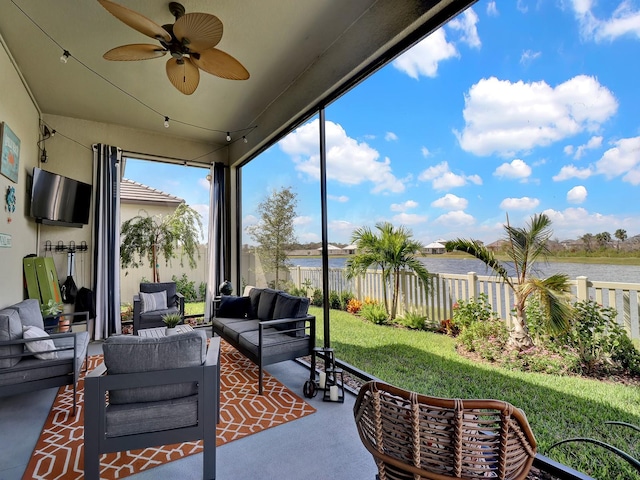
(345, 298)
(202, 291)
(186, 287)
(466, 313)
(598, 339)
(354, 305)
(486, 337)
(447, 327)
(297, 292)
(374, 312)
(334, 300)
(317, 298)
(412, 320)
(542, 360)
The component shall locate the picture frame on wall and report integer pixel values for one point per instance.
(10, 162)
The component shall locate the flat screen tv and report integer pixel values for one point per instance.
(58, 200)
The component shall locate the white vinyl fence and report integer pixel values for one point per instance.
(436, 302)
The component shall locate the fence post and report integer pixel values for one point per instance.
(582, 290)
(472, 285)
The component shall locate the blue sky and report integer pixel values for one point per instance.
(515, 107)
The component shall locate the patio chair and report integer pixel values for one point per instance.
(150, 315)
(161, 391)
(413, 436)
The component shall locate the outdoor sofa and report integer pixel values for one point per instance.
(31, 359)
(266, 325)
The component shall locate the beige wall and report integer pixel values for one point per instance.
(19, 112)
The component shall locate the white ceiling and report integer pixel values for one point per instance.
(299, 53)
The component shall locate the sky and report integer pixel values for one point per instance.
(513, 108)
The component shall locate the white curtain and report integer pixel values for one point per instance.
(106, 239)
(217, 237)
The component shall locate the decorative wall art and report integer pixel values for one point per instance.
(9, 166)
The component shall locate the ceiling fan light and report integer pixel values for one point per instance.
(65, 56)
(228, 137)
(166, 122)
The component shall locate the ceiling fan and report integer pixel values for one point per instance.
(190, 41)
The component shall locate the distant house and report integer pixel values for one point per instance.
(136, 198)
(498, 245)
(435, 248)
(333, 250)
(350, 249)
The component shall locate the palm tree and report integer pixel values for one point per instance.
(621, 235)
(393, 251)
(525, 247)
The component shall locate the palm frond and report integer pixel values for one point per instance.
(482, 253)
(553, 294)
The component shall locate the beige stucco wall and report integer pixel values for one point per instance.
(19, 112)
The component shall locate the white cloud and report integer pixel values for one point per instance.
(204, 183)
(308, 237)
(522, 7)
(516, 169)
(442, 178)
(249, 220)
(338, 198)
(568, 150)
(450, 202)
(424, 57)
(504, 117)
(528, 56)
(302, 220)
(624, 20)
(594, 142)
(348, 161)
(466, 23)
(571, 171)
(523, 203)
(341, 227)
(390, 136)
(456, 218)
(622, 159)
(409, 218)
(577, 194)
(403, 207)
(425, 152)
(492, 10)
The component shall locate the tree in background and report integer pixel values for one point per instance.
(621, 235)
(603, 239)
(394, 251)
(274, 233)
(150, 237)
(587, 239)
(525, 247)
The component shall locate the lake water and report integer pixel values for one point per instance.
(436, 264)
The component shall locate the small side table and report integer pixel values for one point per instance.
(162, 331)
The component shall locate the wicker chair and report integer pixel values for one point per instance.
(413, 436)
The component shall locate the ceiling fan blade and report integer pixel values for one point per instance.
(216, 62)
(136, 21)
(185, 77)
(198, 31)
(136, 51)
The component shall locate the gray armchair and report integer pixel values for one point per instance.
(161, 391)
(151, 319)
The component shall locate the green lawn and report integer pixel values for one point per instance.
(557, 407)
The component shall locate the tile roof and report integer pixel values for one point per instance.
(134, 192)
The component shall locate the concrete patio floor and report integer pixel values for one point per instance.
(324, 445)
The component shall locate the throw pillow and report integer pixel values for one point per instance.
(234, 307)
(38, 346)
(151, 302)
(266, 304)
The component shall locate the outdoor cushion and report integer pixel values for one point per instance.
(254, 295)
(288, 306)
(133, 354)
(10, 329)
(150, 302)
(266, 304)
(29, 311)
(234, 307)
(169, 287)
(233, 330)
(273, 343)
(38, 346)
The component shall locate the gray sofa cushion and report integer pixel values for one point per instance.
(29, 311)
(10, 329)
(266, 304)
(130, 419)
(132, 354)
(234, 307)
(273, 343)
(254, 295)
(233, 330)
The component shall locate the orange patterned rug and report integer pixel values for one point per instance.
(59, 453)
